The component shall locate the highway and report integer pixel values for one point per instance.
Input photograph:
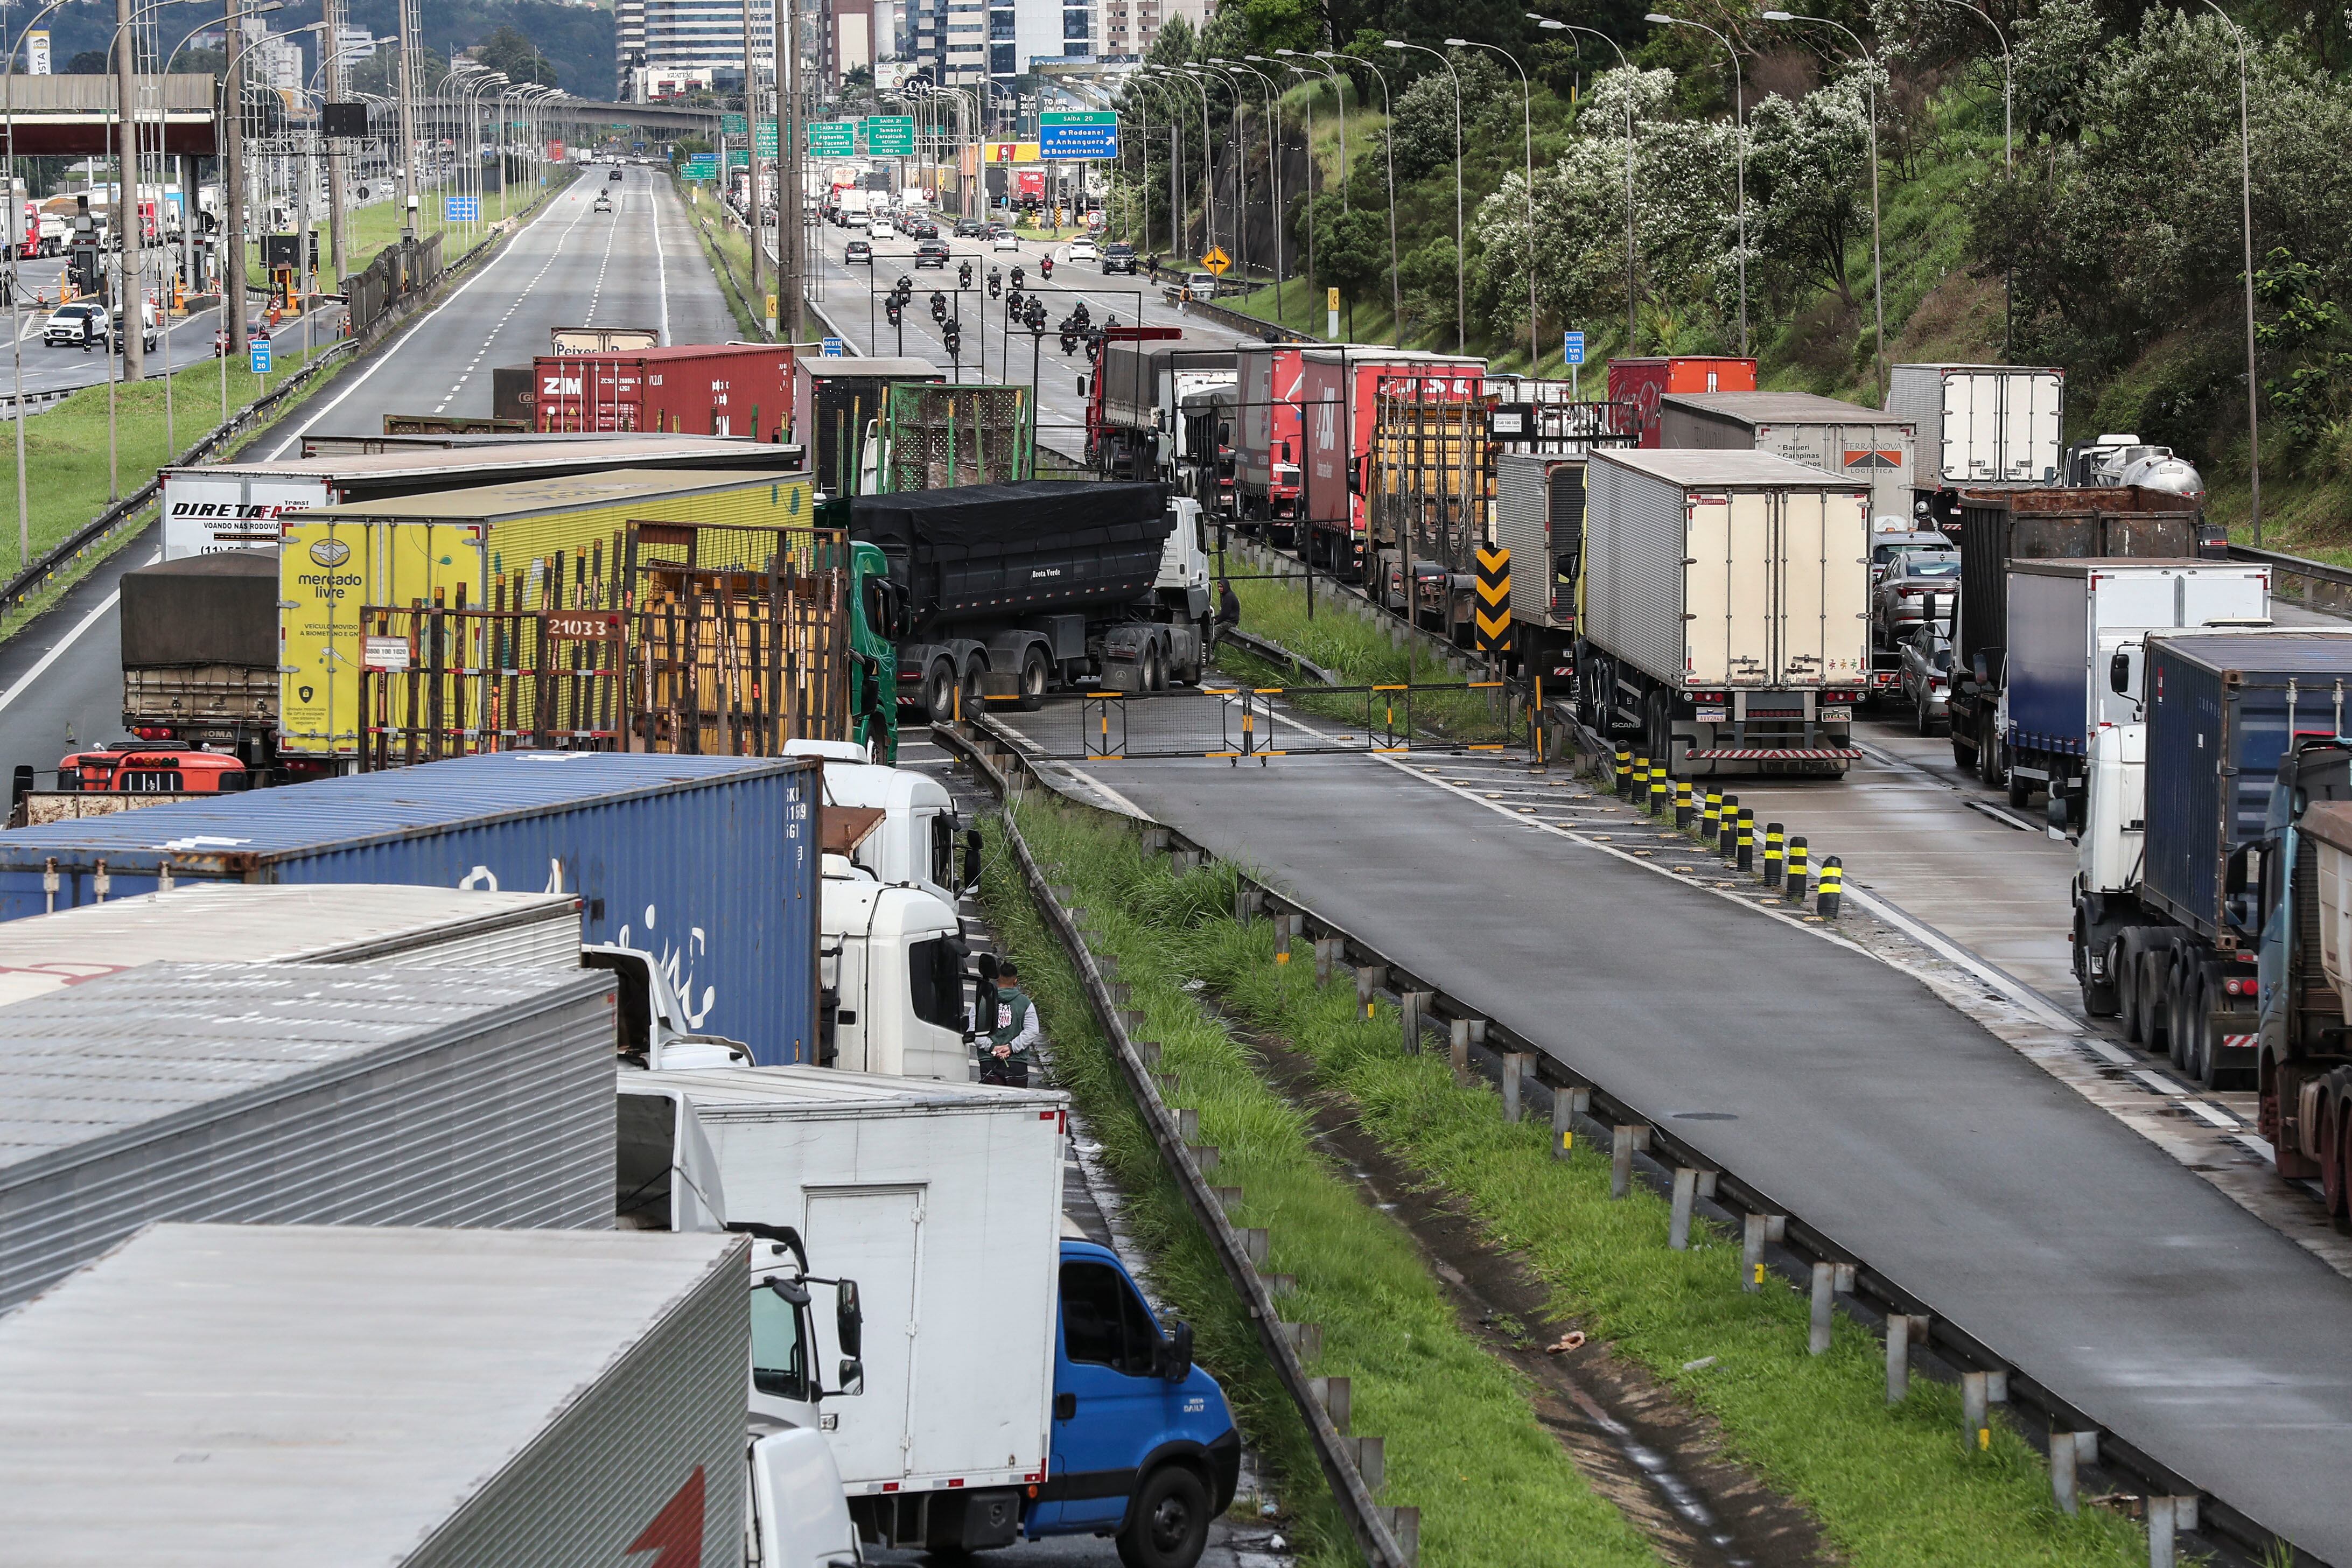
(60, 680)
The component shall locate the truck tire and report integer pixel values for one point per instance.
(1167, 1520)
(2332, 1152)
(2125, 970)
(1964, 755)
(2020, 791)
(1658, 731)
(1989, 759)
(939, 691)
(2152, 1010)
(1151, 677)
(1034, 677)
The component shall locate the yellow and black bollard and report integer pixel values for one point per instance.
(1832, 892)
(1625, 774)
(1658, 789)
(1710, 815)
(1683, 805)
(1745, 847)
(1771, 855)
(1640, 791)
(1727, 841)
(1800, 882)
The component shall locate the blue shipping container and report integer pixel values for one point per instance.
(711, 864)
(2218, 707)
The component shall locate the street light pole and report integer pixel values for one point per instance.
(1241, 178)
(1460, 274)
(1877, 269)
(2009, 163)
(1339, 96)
(1527, 131)
(1739, 149)
(1632, 320)
(1396, 287)
(2246, 230)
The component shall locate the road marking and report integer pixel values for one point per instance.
(382, 360)
(661, 269)
(2159, 1082)
(51, 657)
(2212, 1115)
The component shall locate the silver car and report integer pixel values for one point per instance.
(1926, 679)
(1919, 585)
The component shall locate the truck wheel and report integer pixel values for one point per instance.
(1152, 678)
(1964, 755)
(2123, 968)
(1989, 760)
(2020, 790)
(938, 692)
(1033, 677)
(2151, 1010)
(1167, 1521)
(2332, 1152)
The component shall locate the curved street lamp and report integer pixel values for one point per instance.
(1739, 149)
(1632, 320)
(2246, 230)
(1528, 131)
(1877, 271)
(1396, 289)
(1274, 167)
(1461, 284)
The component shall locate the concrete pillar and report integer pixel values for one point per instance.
(1563, 1123)
(1368, 980)
(1516, 1065)
(1898, 1358)
(1685, 1193)
(1413, 1010)
(1975, 1418)
(1621, 1163)
(1818, 1342)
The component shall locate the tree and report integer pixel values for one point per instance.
(1351, 245)
(507, 49)
(89, 62)
(1808, 184)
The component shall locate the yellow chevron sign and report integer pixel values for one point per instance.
(1492, 615)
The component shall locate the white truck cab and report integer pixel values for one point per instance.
(914, 843)
(892, 968)
(654, 1031)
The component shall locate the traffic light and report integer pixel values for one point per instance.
(995, 282)
(963, 276)
(1045, 267)
(938, 306)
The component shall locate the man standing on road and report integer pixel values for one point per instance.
(1006, 1059)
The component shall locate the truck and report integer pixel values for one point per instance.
(1979, 426)
(1997, 527)
(942, 435)
(1340, 400)
(690, 389)
(1539, 508)
(301, 1094)
(1641, 381)
(2187, 839)
(656, 848)
(1134, 429)
(536, 1399)
(892, 969)
(1015, 1383)
(553, 544)
(236, 505)
(2298, 879)
(1271, 438)
(2066, 620)
(2123, 459)
(1723, 620)
(910, 833)
(836, 400)
(1861, 445)
(1124, 601)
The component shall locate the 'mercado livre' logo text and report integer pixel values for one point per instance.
(330, 552)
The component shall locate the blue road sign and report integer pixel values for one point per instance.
(460, 209)
(259, 349)
(1093, 134)
(832, 348)
(1572, 346)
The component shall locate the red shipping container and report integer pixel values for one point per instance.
(1338, 397)
(1033, 181)
(1642, 382)
(693, 389)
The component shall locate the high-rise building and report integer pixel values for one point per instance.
(270, 60)
(628, 41)
(684, 39)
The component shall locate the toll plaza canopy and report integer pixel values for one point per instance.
(75, 115)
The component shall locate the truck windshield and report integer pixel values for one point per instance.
(779, 1350)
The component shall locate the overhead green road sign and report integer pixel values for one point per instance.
(832, 139)
(738, 157)
(732, 124)
(702, 166)
(891, 135)
(764, 136)
(1091, 134)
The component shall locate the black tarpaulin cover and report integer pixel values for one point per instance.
(977, 520)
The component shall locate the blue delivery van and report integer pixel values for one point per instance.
(708, 865)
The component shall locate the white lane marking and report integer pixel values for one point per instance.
(2159, 1082)
(382, 360)
(51, 657)
(2211, 1116)
(661, 268)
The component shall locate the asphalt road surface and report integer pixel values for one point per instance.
(61, 679)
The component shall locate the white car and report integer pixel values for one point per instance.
(1005, 242)
(883, 229)
(1082, 250)
(84, 320)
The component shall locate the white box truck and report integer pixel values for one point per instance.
(208, 1395)
(1981, 427)
(1863, 446)
(1013, 1382)
(301, 1094)
(1725, 598)
(2067, 622)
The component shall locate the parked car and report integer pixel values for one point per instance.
(71, 326)
(859, 250)
(1923, 587)
(1887, 547)
(932, 253)
(971, 228)
(1927, 679)
(1118, 256)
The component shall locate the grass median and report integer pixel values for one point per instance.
(1462, 1443)
(1892, 1488)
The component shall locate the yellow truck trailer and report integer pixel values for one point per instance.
(550, 544)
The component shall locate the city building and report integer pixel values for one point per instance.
(270, 60)
(628, 45)
(699, 41)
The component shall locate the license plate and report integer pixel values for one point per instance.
(1714, 715)
(1837, 715)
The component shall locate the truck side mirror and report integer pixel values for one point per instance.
(849, 1377)
(2119, 673)
(1176, 1355)
(848, 1319)
(1980, 667)
(1082, 386)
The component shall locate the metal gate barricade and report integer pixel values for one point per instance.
(1234, 723)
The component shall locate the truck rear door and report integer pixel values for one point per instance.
(2032, 427)
(874, 1235)
(1728, 592)
(1821, 565)
(1971, 427)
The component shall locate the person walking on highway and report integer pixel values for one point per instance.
(1006, 1058)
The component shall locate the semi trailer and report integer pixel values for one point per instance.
(836, 400)
(1639, 382)
(1135, 415)
(1340, 393)
(1861, 445)
(1270, 437)
(1016, 590)
(1724, 598)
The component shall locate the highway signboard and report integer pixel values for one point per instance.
(891, 135)
(763, 137)
(701, 167)
(1091, 134)
(832, 139)
(730, 124)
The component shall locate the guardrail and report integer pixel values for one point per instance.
(1638, 1140)
(2317, 586)
(1389, 1537)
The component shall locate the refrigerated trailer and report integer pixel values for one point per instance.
(1860, 445)
(1539, 504)
(1724, 624)
(1640, 381)
(1980, 427)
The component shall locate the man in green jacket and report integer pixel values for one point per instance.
(1006, 1058)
